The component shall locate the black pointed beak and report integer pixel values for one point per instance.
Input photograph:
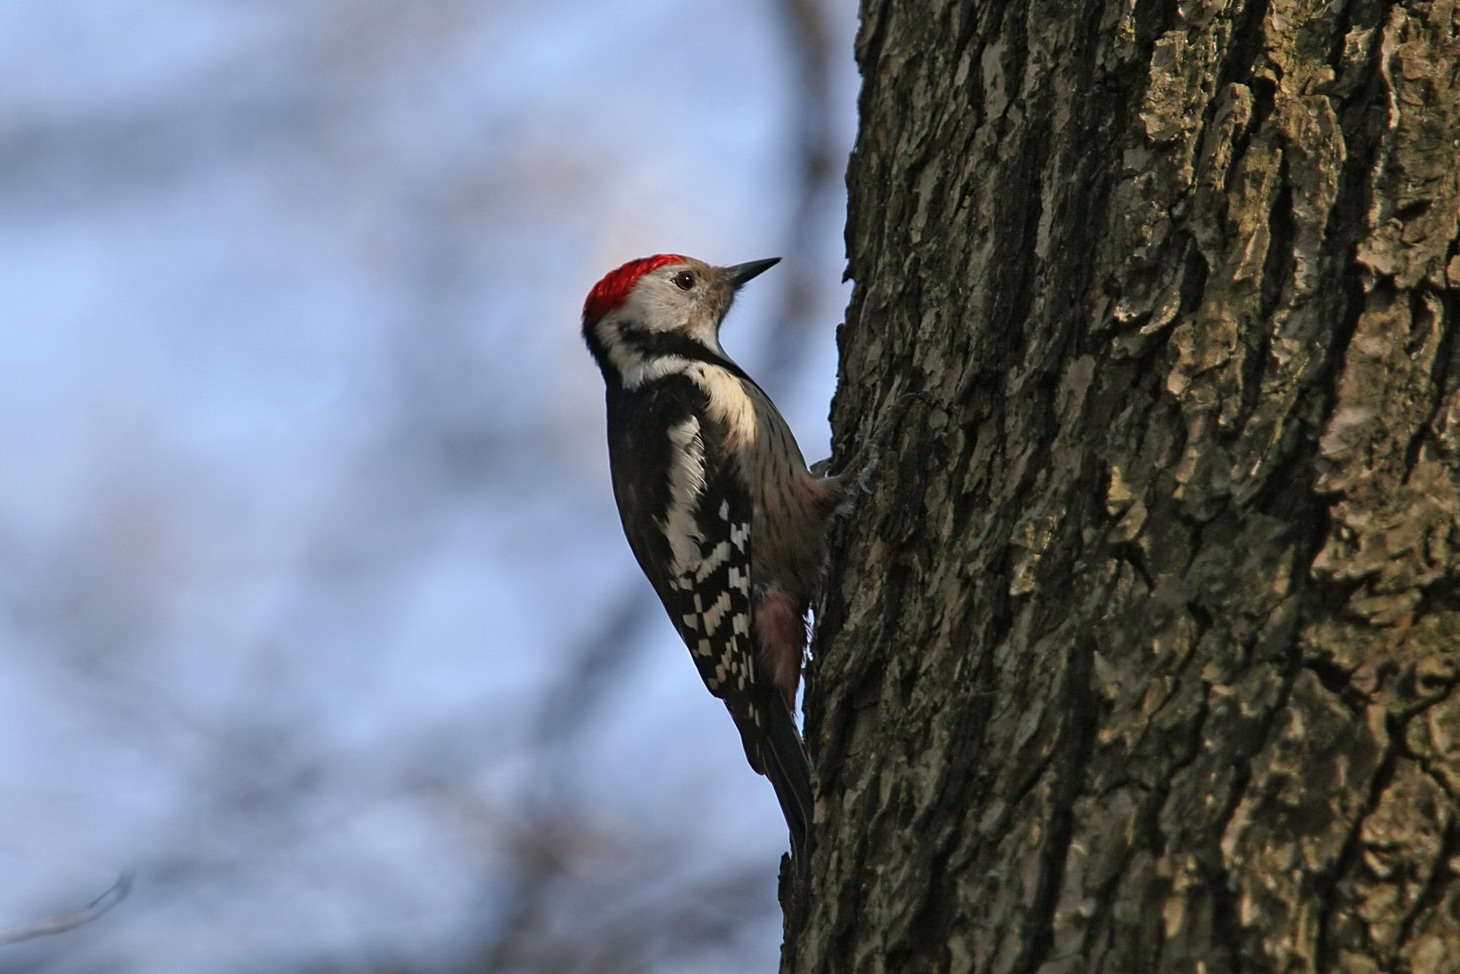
(740, 273)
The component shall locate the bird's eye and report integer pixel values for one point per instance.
(684, 280)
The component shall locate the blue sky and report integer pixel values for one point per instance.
(303, 498)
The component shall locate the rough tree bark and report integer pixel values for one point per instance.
(1142, 655)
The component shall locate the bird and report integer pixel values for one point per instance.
(716, 500)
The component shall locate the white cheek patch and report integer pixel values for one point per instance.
(657, 304)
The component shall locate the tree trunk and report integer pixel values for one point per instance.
(1140, 657)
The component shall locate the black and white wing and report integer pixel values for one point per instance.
(697, 554)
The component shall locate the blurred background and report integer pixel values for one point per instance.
(316, 620)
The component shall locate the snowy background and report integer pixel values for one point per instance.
(315, 615)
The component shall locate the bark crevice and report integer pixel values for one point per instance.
(1141, 655)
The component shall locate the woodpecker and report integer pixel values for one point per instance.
(715, 499)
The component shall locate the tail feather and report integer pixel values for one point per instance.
(782, 758)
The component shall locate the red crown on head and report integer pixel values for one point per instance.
(609, 294)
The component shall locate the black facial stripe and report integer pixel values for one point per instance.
(660, 344)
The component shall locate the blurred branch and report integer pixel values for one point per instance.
(809, 38)
(62, 922)
(652, 925)
(596, 665)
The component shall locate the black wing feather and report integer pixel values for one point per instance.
(710, 603)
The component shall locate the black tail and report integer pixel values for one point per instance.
(782, 758)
